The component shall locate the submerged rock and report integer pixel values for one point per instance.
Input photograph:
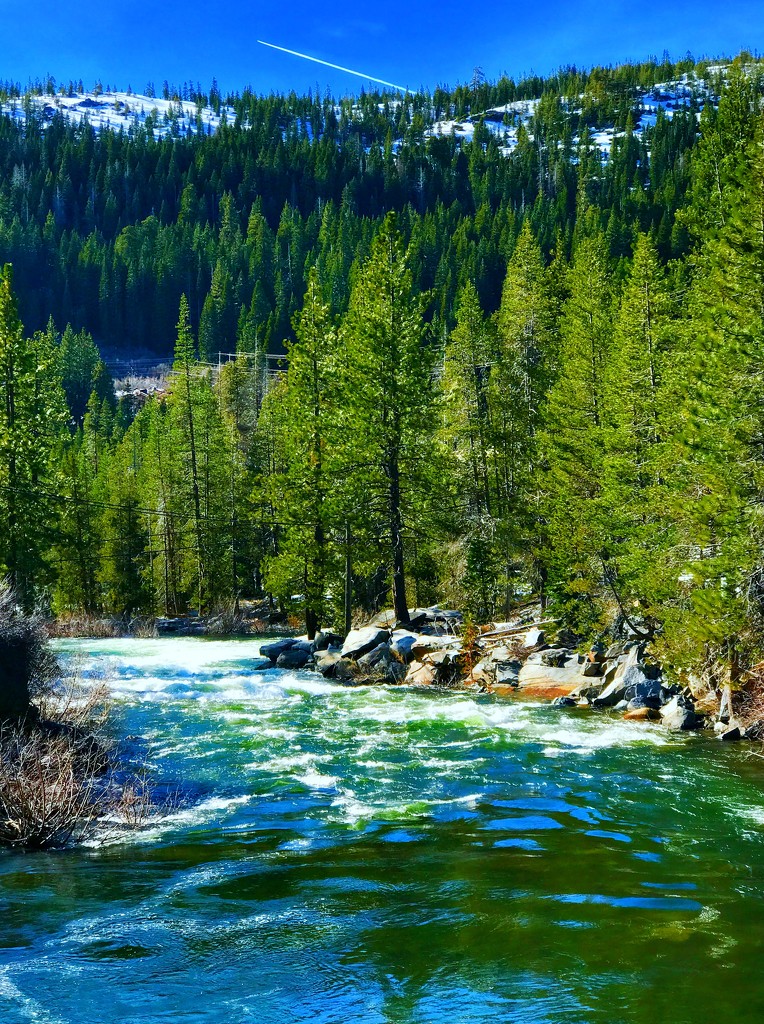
(260, 664)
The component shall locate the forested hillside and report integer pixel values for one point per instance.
(535, 371)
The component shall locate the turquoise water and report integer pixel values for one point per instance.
(371, 855)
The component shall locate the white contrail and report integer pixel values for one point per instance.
(337, 67)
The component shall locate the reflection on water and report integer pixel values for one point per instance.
(393, 856)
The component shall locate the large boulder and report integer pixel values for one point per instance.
(360, 641)
(679, 714)
(508, 673)
(420, 674)
(556, 657)
(424, 645)
(627, 681)
(277, 648)
(323, 641)
(402, 643)
(534, 637)
(536, 680)
(326, 662)
(296, 656)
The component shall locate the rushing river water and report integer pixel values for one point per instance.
(392, 855)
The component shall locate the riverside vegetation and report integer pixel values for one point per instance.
(62, 780)
(536, 374)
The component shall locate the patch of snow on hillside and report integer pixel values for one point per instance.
(122, 110)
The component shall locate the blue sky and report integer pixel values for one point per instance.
(419, 42)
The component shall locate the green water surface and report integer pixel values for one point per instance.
(371, 855)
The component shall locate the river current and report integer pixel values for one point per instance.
(392, 855)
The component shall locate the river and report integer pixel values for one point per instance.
(392, 855)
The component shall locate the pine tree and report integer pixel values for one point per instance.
(573, 437)
(32, 415)
(302, 496)
(636, 433)
(387, 405)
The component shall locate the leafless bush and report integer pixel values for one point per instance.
(748, 702)
(49, 789)
(60, 782)
(144, 627)
(59, 786)
(65, 626)
(225, 621)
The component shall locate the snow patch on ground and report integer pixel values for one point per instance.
(123, 110)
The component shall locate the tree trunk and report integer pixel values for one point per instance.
(400, 604)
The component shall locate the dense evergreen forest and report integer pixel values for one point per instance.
(507, 375)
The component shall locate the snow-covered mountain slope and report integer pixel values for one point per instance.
(117, 110)
(504, 121)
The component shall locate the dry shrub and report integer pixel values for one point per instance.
(144, 628)
(84, 625)
(748, 702)
(60, 785)
(225, 621)
(50, 789)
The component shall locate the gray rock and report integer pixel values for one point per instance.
(274, 650)
(679, 714)
(297, 656)
(564, 702)
(755, 731)
(380, 655)
(417, 618)
(360, 641)
(612, 694)
(500, 654)
(259, 664)
(385, 619)
(402, 642)
(591, 669)
(326, 662)
(508, 672)
(534, 637)
(645, 702)
(596, 654)
(626, 682)
(732, 733)
(323, 641)
(444, 615)
(725, 705)
(537, 678)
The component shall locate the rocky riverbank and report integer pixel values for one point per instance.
(526, 658)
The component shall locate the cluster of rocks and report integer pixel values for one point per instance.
(622, 678)
(515, 659)
(423, 652)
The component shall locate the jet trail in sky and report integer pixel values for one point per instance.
(337, 67)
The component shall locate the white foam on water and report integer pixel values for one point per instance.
(598, 737)
(29, 1007)
(204, 813)
(315, 780)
